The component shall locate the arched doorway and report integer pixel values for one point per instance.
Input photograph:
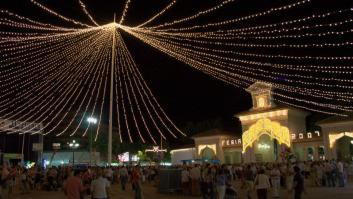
(266, 149)
(310, 153)
(207, 153)
(265, 140)
(340, 145)
(344, 148)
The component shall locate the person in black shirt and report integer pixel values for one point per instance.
(298, 183)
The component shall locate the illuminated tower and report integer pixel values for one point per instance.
(269, 128)
(261, 94)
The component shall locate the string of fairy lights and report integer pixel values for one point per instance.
(58, 76)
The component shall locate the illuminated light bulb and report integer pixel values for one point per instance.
(124, 80)
(275, 65)
(84, 8)
(157, 15)
(126, 77)
(270, 11)
(237, 66)
(38, 46)
(66, 102)
(222, 4)
(131, 66)
(11, 14)
(102, 62)
(102, 74)
(54, 66)
(158, 47)
(267, 65)
(149, 93)
(63, 106)
(259, 27)
(126, 8)
(59, 15)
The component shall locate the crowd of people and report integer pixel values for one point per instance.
(76, 183)
(206, 180)
(217, 181)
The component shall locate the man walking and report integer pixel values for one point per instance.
(100, 187)
(195, 175)
(340, 174)
(123, 174)
(298, 183)
(73, 187)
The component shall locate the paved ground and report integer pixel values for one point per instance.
(151, 193)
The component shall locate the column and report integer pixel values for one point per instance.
(316, 152)
(334, 152)
(327, 149)
(305, 157)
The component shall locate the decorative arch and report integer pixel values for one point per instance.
(334, 137)
(268, 127)
(202, 147)
(208, 153)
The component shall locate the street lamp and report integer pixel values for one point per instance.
(91, 120)
(73, 145)
(351, 141)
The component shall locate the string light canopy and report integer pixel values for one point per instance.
(58, 75)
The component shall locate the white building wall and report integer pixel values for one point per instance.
(179, 155)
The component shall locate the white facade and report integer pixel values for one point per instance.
(180, 155)
(65, 158)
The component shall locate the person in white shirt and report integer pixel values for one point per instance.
(195, 175)
(185, 178)
(340, 174)
(262, 184)
(109, 174)
(275, 179)
(100, 187)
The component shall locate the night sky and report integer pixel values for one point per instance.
(185, 94)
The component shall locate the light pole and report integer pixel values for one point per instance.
(110, 130)
(91, 120)
(351, 150)
(73, 145)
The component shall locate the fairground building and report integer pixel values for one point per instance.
(272, 133)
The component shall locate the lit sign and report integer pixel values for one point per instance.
(155, 149)
(263, 146)
(307, 135)
(19, 126)
(56, 146)
(231, 142)
(124, 157)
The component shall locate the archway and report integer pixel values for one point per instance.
(265, 149)
(333, 137)
(344, 148)
(310, 153)
(207, 153)
(265, 126)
